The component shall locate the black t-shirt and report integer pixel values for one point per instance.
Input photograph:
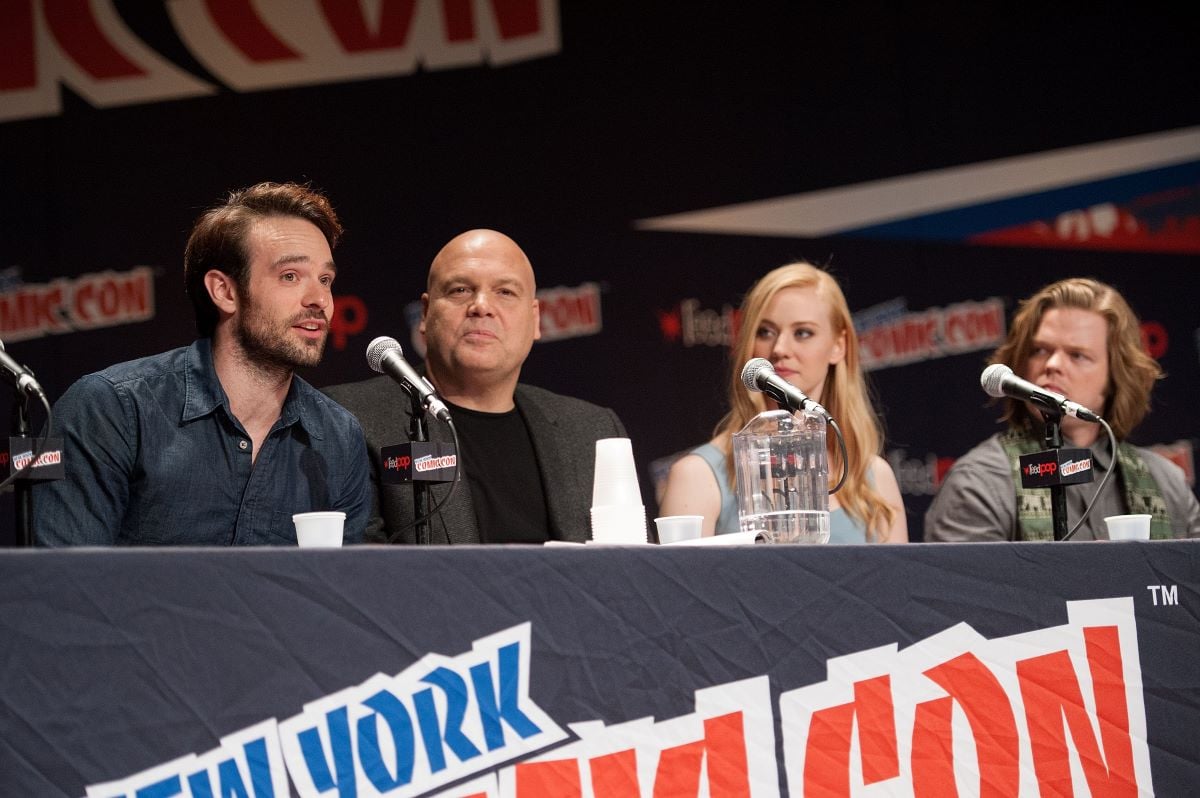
(502, 471)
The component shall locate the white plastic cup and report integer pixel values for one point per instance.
(619, 524)
(615, 479)
(321, 530)
(1128, 527)
(674, 528)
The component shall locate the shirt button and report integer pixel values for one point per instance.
(243, 445)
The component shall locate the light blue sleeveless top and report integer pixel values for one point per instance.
(842, 528)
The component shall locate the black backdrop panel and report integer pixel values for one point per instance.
(610, 116)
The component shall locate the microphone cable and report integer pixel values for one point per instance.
(442, 503)
(842, 446)
(1112, 445)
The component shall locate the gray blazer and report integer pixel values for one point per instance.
(564, 433)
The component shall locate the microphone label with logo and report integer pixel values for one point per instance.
(1052, 467)
(19, 453)
(417, 462)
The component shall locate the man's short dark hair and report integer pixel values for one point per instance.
(218, 239)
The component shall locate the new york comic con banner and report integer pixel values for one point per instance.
(652, 160)
(984, 670)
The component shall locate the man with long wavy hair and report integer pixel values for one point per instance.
(1079, 338)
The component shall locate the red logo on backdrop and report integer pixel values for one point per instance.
(87, 302)
(569, 312)
(1181, 454)
(254, 46)
(891, 335)
(919, 476)
(1154, 339)
(349, 319)
(1167, 221)
(693, 325)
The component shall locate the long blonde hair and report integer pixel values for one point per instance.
(844, 394)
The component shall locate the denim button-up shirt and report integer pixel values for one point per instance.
(154, 456)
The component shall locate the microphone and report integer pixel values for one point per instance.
(759, 375)
(385, 356)
(998, 380)
(21, 377)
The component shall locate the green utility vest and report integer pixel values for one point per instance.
(1035, 520)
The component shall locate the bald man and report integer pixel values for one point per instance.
(527, 454)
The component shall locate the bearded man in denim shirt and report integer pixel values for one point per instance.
(219, 443)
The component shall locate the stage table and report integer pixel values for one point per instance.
(594, 671)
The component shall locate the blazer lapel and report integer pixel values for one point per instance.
(559, 480)
(454, 522)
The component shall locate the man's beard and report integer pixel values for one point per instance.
(269, 344)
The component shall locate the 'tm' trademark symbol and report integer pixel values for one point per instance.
(1168, 593)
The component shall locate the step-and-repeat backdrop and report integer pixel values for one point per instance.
(653, 161)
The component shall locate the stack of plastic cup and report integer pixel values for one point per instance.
(618, 516)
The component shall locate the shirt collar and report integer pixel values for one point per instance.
(1102, 453)
(203, 394)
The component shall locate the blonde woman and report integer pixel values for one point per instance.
(796, 316)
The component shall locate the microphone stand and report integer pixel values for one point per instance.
(22, 488)
(418, 433)
(1058, 491)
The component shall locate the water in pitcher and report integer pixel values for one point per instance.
(783, 477)
(789, 526)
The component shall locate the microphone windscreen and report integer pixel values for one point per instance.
(380, 347)
(992, 379)
(752, 369)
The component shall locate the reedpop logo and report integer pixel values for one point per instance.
(692, 325)
(919, 476)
